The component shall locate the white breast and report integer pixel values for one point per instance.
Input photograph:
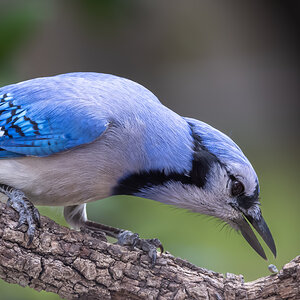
(80, 175)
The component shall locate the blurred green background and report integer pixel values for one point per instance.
(232, 64)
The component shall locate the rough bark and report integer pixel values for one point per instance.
(77, 265)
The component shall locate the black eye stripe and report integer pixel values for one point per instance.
(248, 201)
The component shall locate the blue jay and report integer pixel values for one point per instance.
(74, 138)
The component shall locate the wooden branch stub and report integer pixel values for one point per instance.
(77, 265)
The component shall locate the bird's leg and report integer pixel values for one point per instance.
(76, 217)
(128, 238)
(28, 214)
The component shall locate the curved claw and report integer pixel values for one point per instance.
(32, 219)
(157, 243)
(161, 248)
(32, 224)
(37, 217)
(30, 237)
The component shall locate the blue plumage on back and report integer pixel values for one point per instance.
(37, 121)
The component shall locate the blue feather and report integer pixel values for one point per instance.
(8, 154)
(219, 144)
(34, 122)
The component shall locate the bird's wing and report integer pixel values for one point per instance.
(38, 118)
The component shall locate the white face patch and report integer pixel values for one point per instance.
(245, 174)
(254, 212)
(213, 199)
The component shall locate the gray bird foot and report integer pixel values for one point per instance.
(128, 238)
(28, 214)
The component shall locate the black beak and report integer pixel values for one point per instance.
(262, 228)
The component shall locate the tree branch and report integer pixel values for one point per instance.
(77, 265)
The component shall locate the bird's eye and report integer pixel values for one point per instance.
(237, 188)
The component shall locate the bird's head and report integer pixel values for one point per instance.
(231, 188)
(219, 181)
